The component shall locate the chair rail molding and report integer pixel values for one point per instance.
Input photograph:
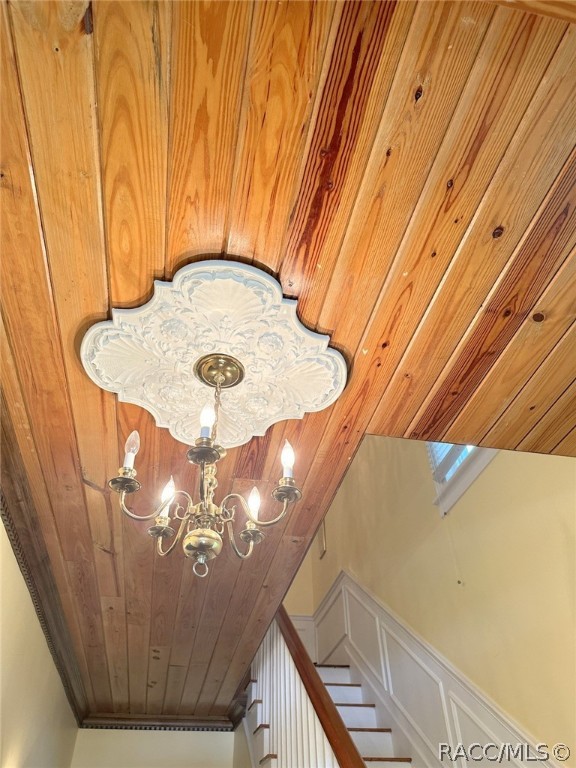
(425, 699)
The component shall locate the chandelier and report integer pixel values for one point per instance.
(224, 327)
(201, 525)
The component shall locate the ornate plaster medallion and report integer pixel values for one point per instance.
(148, 355)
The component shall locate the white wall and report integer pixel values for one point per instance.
(37, 728)
(103, 748)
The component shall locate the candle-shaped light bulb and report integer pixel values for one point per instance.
(207, 419)
(167, 495)
(132, 447)
(254, 502)
(287, 459)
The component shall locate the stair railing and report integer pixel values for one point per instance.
(339, 738)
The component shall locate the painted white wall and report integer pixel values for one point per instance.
(37, 728)
(109, 748)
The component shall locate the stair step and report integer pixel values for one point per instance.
(334, 674)
(373, 741)
(357, 715)
(375, 762)
(345, 693)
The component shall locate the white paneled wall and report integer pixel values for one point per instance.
(279, 700)
(421, 696)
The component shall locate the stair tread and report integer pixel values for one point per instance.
(348, 704)
(388, 759)
(332, 666)
(371, 730)
(345, 685)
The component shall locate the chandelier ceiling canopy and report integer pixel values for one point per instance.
(156, 355)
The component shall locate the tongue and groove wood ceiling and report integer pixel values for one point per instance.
(407, 170)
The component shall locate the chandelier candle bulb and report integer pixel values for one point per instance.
(167, 496)
(207, 419)
(132, 447)
(287, 459)
(254, 502)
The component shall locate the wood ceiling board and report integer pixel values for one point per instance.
(545, 247)
(283, 68)
(360, 67)
(173, 160)
(132, 66)
(209, 50)
(550, 380)
(37, 337)
(568, 445)
(538, 150)
(558, 9)
(555, 313)
(410, 135)
(546, 436)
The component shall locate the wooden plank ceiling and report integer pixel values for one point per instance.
(407, 170)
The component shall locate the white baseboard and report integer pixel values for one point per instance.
(423, 697)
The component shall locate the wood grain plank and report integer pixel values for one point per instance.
(553, 315)
(208, 64)
(284, 64)
(157, 676)
(545, 436)
(138, 550)
(558, 9)
(567, 447)
(132, 50)
(132, 45)
(548, 242)
(115, 637)
(55, 30)
(437, 156)
(530, 407)
(360, 67)
(509, 205)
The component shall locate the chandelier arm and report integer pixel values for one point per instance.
(241, 555)
(126, 511)
(177, 538)
(246, 508)
(189, 505)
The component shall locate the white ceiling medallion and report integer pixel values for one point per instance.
(148, 355)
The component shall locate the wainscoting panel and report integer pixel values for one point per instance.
(363, 632)
(417, 691)
(330, 628)
(419, 694)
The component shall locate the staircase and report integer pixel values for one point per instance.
(374, 743)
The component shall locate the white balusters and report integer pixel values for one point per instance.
(295, 735)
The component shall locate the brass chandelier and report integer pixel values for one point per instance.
(201, 525)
